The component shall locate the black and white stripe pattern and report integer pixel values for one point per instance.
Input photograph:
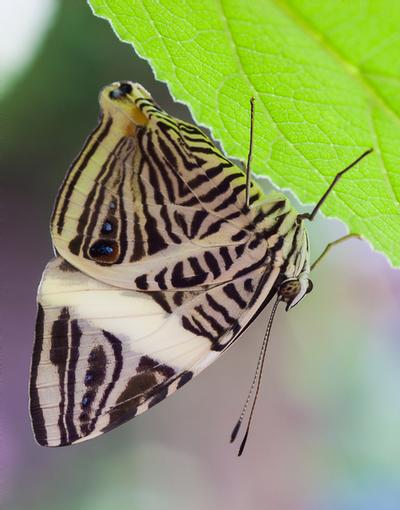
(162, 266)
(103, 355)
(155, 205)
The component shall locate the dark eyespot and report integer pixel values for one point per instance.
(123, 89)
(88, 378)
(86, 400)
(107, 227)
(103, 251)
(310, 286)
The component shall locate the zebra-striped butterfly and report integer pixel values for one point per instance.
(165, 254)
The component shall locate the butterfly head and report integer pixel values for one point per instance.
(292, 290)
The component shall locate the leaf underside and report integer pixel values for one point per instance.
(326, 79)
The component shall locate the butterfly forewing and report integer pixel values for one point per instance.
(153, 205)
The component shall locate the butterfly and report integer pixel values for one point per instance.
(165, 253)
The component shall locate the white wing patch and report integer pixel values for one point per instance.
(103, 355)
(134, 317)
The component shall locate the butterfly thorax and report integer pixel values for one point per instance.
(286, 238)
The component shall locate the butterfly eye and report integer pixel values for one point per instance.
(123, 90)
(289, 289)
(293, 290)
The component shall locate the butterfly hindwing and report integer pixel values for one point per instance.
(103, 355)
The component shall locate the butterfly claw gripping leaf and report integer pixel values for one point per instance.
(160, 267)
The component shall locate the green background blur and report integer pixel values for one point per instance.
(326, 435)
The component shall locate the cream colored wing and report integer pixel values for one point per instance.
(151, 204)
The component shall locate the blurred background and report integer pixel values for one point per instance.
(326, 434)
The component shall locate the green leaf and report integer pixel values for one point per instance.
(326, 78)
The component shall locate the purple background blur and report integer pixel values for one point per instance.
(326, 434)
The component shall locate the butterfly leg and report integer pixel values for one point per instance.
(250, 153)
(331, 245)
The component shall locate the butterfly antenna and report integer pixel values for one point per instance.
(250, 153)
(255, 383)
(310, 216)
